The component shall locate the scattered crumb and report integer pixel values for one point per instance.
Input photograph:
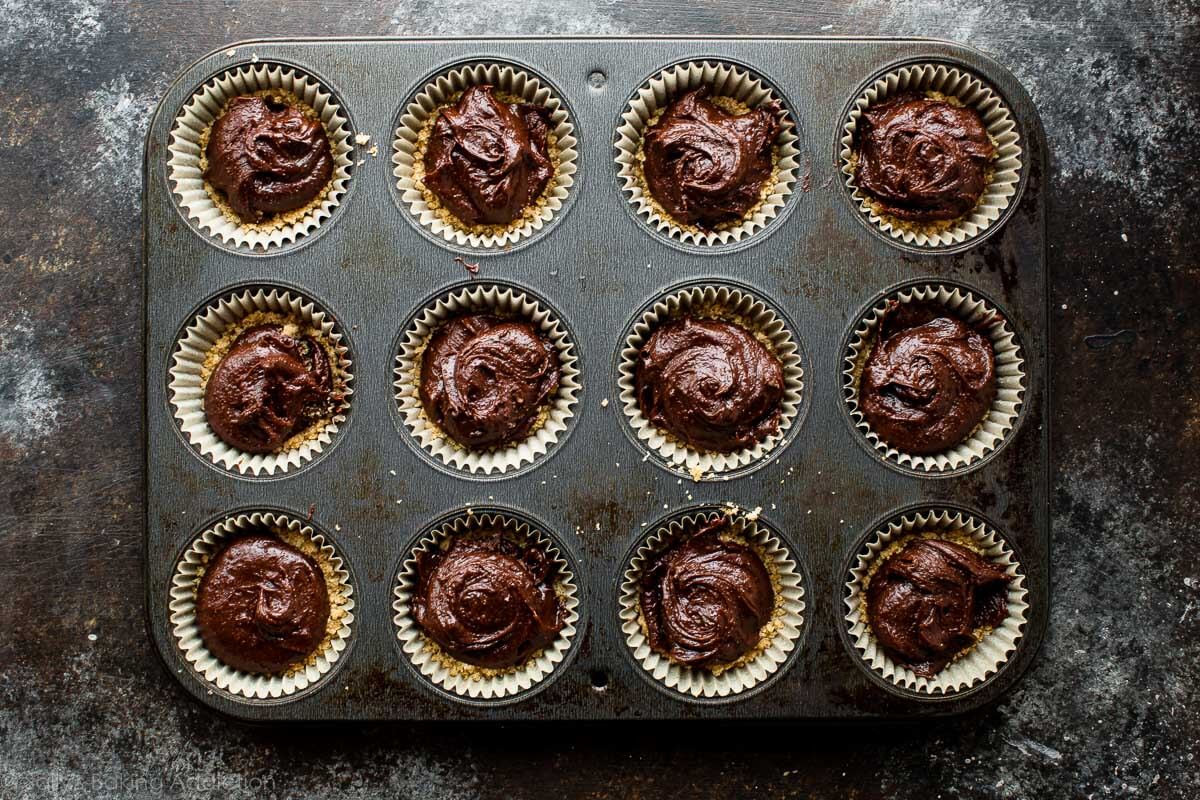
(604, 403)
(697, 473)
(753, 515)
(467, 265)
(254, 58)
(374, 150)
(92, 637)
(392, 471)
(1124, 238)
(362, 138)
(337, 527)
(231, 52)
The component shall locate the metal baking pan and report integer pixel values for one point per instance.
(372, 266)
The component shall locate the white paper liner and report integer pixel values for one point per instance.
(474, 685)
(183, 167)
(756, 316)
(696, 681)
(998, 121)
(724, 80)
(438, 93)
(187, 389)
(503, 301)
(255, 686)
(989, 654)
(1009, 371)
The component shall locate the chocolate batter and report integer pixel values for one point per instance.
(487, 160)
(710, 383)
(922, 159)
(266, 157)
(485, 379)
(268, 386)
(925, 600)
(488, 601)
(705, 166)
(929, 380)
(705, 600)
(262, 605)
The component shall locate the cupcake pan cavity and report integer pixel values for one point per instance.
(961, 86)
(788, 619)
(254, 686)
(730, 303)
(421, 111)
(724, 80)
(506, 302)
(990, 653)
(456, 678)
(598, 490)
(995, 428)
(201, 110)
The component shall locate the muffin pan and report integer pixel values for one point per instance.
(598, 491)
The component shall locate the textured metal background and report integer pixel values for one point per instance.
(372, 268)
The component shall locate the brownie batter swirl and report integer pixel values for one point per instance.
(485, 379)
(705, 600)
(267, 157)
(929, 380)
(925, 602)
(706, 166)
(486, 160)
(488, 601)
(923, 159)
(267, 387)
(262, 605)
(710, 383)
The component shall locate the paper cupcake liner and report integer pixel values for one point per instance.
(724, 80)
(254, 686)
(1001, 419)
(423, 108)
(735, 305)
(183, 167)
(998, 121)
(986, 657)
(187, 386)
(503, 301)
(698, 682)
(469, 683)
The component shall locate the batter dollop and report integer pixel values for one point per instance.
(706, 166)
(711, 383)
(262, 605)
(925, 601)
(488, 601)
(267, 387)
(929, 380)
(488, 160)
(922, 159)
(705, 599)
(267, 157)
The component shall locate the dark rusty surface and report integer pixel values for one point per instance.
(1109, 709)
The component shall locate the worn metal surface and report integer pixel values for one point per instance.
(598, 267)
(1108, 710)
